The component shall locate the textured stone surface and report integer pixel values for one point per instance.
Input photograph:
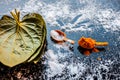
(95, 18)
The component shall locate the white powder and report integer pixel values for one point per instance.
(54, 66)
(62, 9)
(55, 35)
(76, 68)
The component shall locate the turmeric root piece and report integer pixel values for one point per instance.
(87, 52)
(95, 50)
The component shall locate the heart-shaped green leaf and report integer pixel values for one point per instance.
(20, 40)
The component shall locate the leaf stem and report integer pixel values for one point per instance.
(16, 16)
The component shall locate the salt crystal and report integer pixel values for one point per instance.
(55, 35)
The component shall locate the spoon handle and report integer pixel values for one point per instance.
(101, 43)
(69, 40)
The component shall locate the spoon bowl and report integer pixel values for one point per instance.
(60, 36)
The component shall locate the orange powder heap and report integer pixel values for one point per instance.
(90, 44)
(87, 43)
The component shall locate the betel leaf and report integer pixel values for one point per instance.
(39, 51)
(21, 40)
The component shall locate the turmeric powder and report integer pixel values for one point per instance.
(90, 44)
